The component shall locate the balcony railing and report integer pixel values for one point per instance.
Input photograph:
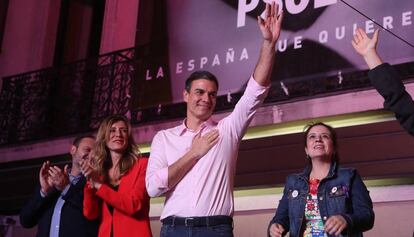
(66, 100)
(74, 98)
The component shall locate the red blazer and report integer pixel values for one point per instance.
(131, 205)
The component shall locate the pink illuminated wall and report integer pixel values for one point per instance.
(31, 29)
(119, 25)
(29, 36)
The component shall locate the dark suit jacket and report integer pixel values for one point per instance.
(387, 82)
(39, 211)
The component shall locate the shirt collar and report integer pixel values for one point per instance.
(331, 173)
(182, 129)
(73, 178)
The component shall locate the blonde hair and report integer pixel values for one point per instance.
(101, 156)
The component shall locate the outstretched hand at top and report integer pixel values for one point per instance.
(271, 25)
(363, 44)
(366, 47)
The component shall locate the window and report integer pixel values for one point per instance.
(3, 13)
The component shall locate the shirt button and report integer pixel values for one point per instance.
(324, 218)
(321, 198)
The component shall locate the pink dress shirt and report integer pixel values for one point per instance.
(207, 189)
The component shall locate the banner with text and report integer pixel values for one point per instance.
(222, 36)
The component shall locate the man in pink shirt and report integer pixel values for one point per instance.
(194, 164)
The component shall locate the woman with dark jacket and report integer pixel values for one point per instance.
(325, 199)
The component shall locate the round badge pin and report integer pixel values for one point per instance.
(334, 189)
(295, 193)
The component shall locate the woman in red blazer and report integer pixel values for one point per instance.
(116, 182)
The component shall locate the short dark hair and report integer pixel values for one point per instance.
(200, 75)
(79, 138)
(332, 134)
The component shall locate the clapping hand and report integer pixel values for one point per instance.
(46, 184)
(59, 177)
(90, 173)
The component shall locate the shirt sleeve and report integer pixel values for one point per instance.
(362, 218)
(157, 170)
(282, 211)
(388, 83)
(91, 203)
(246, 108)
(32, 212)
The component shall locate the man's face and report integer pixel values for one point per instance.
(201, 99)
(82, 151)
